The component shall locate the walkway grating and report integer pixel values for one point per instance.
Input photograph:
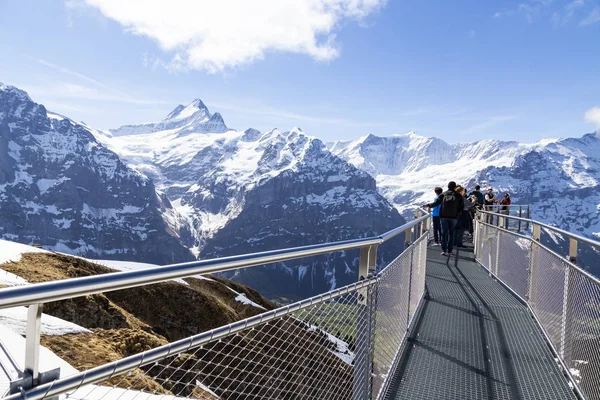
(475, 340)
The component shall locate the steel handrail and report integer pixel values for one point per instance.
(69, 288)
(579, 238)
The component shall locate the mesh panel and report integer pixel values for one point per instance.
(582, 332)
(392, 316)
(417, 287)
(513, 266)
(546, 293)
(306, 354)
(395, 307)
(487, 252)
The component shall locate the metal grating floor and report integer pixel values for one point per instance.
(474, 340)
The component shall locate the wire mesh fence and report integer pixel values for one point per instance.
(339, 345)
(400, 288)
(564, 299)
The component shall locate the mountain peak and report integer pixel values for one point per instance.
(14, 91)
(175, 111)
(196, 109)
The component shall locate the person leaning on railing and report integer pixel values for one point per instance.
(488, 202)
(505, 203)
(452, 206)
(435, 216)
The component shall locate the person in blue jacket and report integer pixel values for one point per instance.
(435, 214)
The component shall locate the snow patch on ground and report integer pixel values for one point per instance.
(342, 350)
(11, 251)
(243, 299)
(16, 320)
(8, 279)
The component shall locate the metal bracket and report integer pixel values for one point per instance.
(26, 382)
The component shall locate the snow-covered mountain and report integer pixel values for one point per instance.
(194, 118)
(61, 188)
(246, 191)
(184, 187)
(559, 178)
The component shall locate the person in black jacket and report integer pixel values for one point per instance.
(452, 206)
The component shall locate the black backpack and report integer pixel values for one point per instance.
(450, 205)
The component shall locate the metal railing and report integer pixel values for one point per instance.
(563, 298)
(338, 345)
(521, 211)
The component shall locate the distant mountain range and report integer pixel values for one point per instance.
(182, 188)
(189, 187)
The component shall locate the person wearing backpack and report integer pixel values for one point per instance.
(452, 205)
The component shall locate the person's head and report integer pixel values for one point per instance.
(490, 189)
(438, 190)
(452, 185)
(459, 189)
(477, 187)
(507, 195)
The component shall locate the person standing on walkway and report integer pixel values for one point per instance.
(477, 193)
(452, 205)
(489, 201)
(464, 220)
(505, 208)
(435, 215)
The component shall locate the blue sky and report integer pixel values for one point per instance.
(339, 69)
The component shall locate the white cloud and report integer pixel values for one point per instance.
(488, 123)
(560, 18)
(74, 90)
(593, 18)
(216, 35)
(70, 90)
(593, 116)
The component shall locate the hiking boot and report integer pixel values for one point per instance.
(444, 253)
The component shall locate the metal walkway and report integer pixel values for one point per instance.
(475, 340)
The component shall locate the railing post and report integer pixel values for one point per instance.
(528, 218)
(365, 325)
(520, 216)
(407, 237)
(573, 250)
(475, 236)
(533, 260)
(31, 375)
(498, 238)
(32, 341)
(412, 252)
(566, 321)
(565, 309)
